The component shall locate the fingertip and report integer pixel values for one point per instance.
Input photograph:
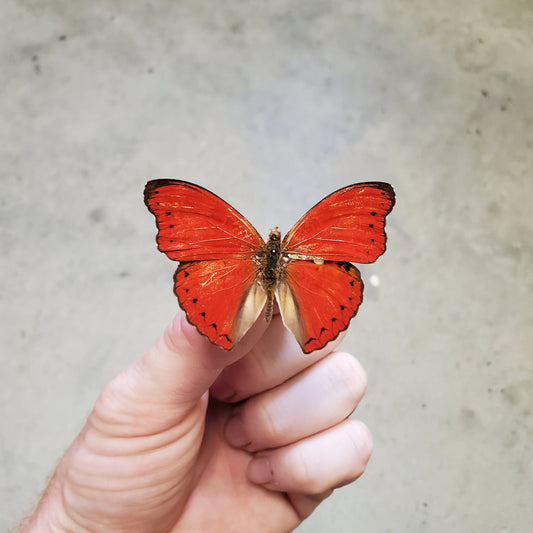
(182, 337)
(362, 439)
(181, 334)
(308, 466)
(355, 370)
(260, 471)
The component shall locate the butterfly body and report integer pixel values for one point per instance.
(270, 261)
(228, 274)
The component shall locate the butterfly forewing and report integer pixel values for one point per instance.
(347, 225)
(195, 224)
(216, 280)
(317, 301)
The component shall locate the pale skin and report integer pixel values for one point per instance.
(274, 441)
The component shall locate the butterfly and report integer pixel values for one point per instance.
(228, 274)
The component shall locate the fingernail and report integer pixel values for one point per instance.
(234, 432)
(259, 471)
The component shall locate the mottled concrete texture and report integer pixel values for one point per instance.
(272, 105)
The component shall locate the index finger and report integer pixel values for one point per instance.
(275, 358)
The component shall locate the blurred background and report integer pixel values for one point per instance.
(273, 105)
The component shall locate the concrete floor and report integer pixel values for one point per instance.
(272, 105)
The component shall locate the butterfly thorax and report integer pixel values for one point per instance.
(270, 261)
(273, 253)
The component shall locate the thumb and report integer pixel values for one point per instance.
(161, 386)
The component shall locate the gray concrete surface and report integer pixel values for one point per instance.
(272, 105)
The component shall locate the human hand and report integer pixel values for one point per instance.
(191, 438)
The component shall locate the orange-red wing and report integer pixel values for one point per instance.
(221, 298)
(317, 301)
(195, 224)
(347, 225)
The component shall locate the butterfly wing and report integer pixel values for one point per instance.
(216, 280)
(317, 301)
(194, 224)
(347, 225)
(321, 291)
(221, 298)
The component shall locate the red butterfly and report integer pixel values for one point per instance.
(228, 274)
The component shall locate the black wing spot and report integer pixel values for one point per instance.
(373, 213)
(202, 314)
(333, 319)
(168, 213)
(371, 225)
(373, 240)
(194, 300)
(342, 307)
(213, 325)
(229, 340)
(352, 282)
(322, 330)
(185, 273)
(171, 226)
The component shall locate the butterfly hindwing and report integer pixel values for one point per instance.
(195, 224)
(347, 225)
(221, 298)
(317, 301)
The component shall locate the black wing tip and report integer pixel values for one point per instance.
(152, 185)
(160, 182)
(389, 189)
(383, 186)
(151, 188)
